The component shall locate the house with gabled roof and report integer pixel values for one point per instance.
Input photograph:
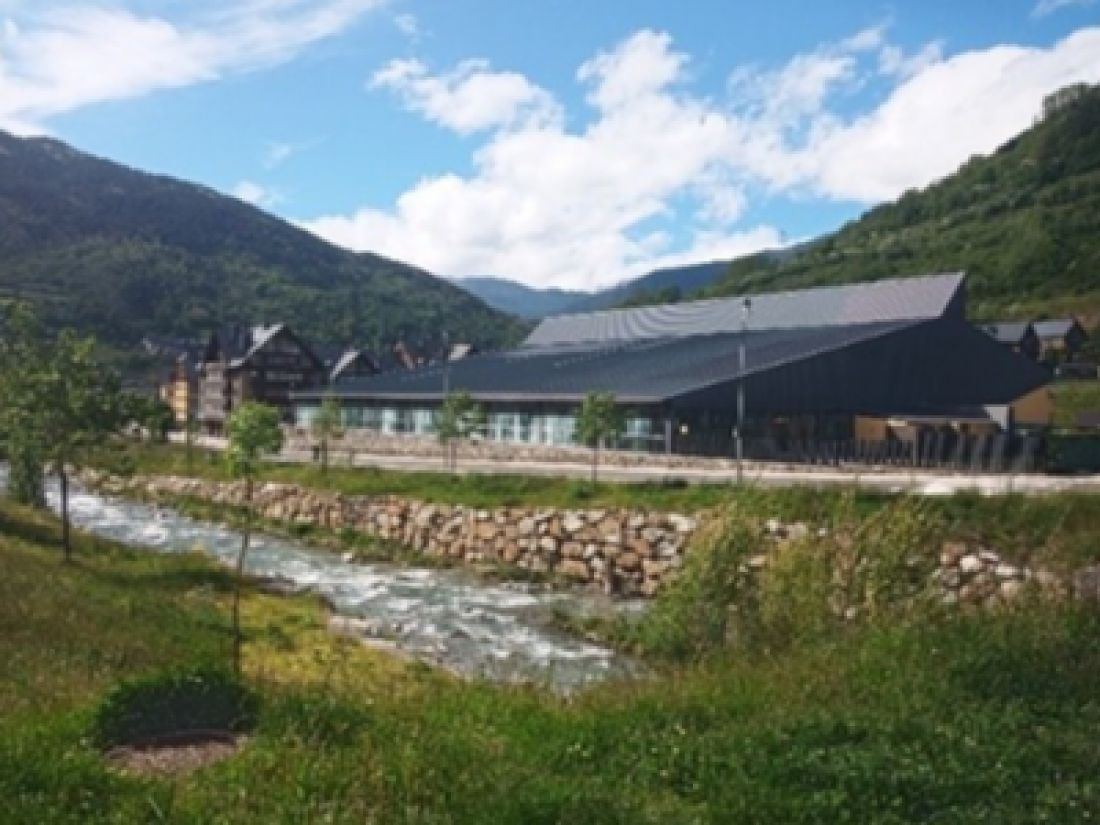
(1020, 336)
(261, 363)
(1060, 338)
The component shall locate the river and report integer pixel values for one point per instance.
(445, 617)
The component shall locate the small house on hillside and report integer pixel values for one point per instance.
(1060, 338)
(1018, 335)
(264, 363)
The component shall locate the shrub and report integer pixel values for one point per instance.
(175, 702)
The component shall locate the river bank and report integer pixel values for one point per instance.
(967, 718)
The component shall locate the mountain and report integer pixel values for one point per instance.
(1024, 223)
(125, 254)
(659, 286)
(517, 299)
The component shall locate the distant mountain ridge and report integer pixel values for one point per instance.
(517, 299)
(125, 254)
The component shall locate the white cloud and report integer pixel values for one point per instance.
(408, 25)
(1048, 7)
(61, 58)
(660, 176)
(471, 98)
(256, 194)
(894, 62)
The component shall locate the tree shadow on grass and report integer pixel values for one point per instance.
(23, 526)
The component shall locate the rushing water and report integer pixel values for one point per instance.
(445, 617)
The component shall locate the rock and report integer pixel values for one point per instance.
(1010, 589)
(278, 586)
(572, 523)
(682, 524)
(1007, 571)
(1086, 583)
(575, 569)
(798, 530)
(970, 564)
(628, 561)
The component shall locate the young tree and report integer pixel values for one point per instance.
(599, 421)
(253, 431)
(79, 406)
(59, 403)
(22, 349)
(459, 416)
(326, 425)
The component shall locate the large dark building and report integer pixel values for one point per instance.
(868, 361)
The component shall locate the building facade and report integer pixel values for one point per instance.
(264, 364)
(819, 366)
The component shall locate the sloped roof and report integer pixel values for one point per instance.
(906, 299)
(1008, 332)
(647, 371)
(1056, 328)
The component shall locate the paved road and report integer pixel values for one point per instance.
(921, 482)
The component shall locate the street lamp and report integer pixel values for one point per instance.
(746, 312)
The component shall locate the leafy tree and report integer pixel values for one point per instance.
(327, 424)
(80, 405)
(21, 348)
(253, 431)
(60, 403)
(599, 421)
(459, 417)
(153, 415)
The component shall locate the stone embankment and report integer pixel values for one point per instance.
(616, 550)
(619, 551)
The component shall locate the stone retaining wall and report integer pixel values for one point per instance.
(620, 551)
(623, 552)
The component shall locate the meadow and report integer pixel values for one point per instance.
(926, 715)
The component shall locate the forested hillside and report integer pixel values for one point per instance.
(1023, 222)
(123, 254)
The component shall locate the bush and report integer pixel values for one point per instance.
(740, 589)
(176, 702)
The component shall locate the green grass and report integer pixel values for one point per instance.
(958, 718)
(1074, 398)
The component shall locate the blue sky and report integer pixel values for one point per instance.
(552, 142)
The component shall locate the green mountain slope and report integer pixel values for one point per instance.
(124, 254)
(1023, 222)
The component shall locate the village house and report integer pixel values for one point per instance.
(1020, 336)
(264, 363)
(1060, 339)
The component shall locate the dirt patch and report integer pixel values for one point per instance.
(176, 754)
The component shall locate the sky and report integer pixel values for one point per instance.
(556, 143)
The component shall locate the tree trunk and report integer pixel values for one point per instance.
(66, 538)
(324, 458)
(595, 460)
(26, 481)
(238, 579)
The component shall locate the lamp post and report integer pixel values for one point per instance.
(746, 312)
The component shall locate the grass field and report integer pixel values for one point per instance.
(958, 718)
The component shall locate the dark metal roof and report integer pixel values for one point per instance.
(650, 371)
(906, 299)
(1008, 332)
